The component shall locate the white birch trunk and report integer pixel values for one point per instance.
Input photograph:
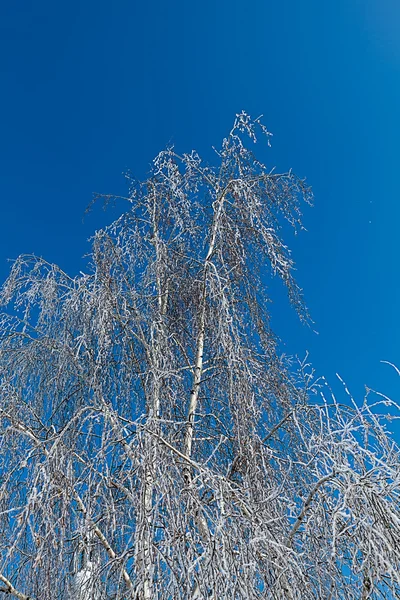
(83, 583)
(198, 367)
(154, 413)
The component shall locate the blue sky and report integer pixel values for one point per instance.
(92, 89)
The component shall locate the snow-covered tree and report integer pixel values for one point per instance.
(155, 445)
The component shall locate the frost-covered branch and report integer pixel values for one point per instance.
(10, 589)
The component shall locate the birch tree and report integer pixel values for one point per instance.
(155, 444)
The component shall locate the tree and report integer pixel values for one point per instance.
(155, 444)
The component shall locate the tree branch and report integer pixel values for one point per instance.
(10, 589)
(306, 506)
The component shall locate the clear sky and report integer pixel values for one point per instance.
(92, 89)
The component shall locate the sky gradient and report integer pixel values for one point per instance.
(93, 89)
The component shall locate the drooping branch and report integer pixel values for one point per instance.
(307, 505)
(75, 495)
